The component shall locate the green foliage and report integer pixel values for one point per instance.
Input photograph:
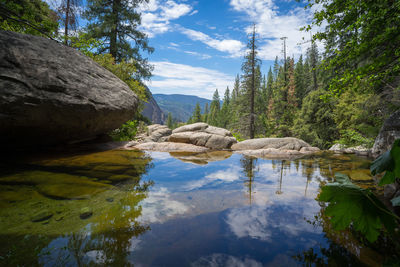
(350, 138)
(125, 71)
(361, 41)
(389, 162)
(86, 44)
(169, 120)
(359, 111)
(126, 132)
(238, 137)
(28, 16)
(314, 123)
(115, 22)
(355, 206)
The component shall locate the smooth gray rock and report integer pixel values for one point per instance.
(359, 150)
(201, 134)
(389, 132)
(51, 93)
(272, 153)
(199, 126)
(157, 133)
(286, 143)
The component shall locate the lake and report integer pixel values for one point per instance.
(121, 208)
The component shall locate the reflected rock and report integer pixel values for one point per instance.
(201, 158)
(272, 153)
(42, 216)
(169, 147)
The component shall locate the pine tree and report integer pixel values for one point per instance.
(170, 123)
(225, 114)
(206, 111)
(68, 12)
(116, 22)
(196, 117)
(213, 118)
(249, 68)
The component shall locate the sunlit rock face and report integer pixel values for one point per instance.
(285, 148)
(201, 134)
(389, 132)
(51, 93)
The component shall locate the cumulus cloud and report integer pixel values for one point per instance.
(271, 25)
(185, 79)
(158, 14)
(230, 46)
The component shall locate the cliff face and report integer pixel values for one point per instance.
(152, 111)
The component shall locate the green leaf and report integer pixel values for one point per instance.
(382, 163)
(396, 201)
(395, 154)
(352, 205)
(388, 178)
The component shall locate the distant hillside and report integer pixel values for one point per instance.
(180, 106)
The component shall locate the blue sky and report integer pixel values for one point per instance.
(200, 45)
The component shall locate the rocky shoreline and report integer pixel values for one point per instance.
(201, 137)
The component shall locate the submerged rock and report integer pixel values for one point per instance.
(51, 93)
(42, 216)
(389, 132)
(85, 213)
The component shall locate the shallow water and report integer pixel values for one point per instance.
(124, 207)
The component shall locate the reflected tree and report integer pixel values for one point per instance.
(249, 170)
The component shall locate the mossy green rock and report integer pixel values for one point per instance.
(360, 175)
(42, 216)
(85, 213)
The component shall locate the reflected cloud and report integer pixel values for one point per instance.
(222, 176)
(260, 222)
(159, 206)
(225, 260)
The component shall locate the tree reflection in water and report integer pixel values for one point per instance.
(249, 170)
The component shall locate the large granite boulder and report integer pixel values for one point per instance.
(155, 133)
(286, 143)
(201, 134)
(280, 148)
(359, 150)
(51, 93)
(389, 132)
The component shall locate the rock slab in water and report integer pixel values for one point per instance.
(42, 216)
(85, 213)
(201, 134)
(389, 132)
(51, 93)
(359, 150)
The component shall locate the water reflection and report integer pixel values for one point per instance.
(98, 227)
(203, 209)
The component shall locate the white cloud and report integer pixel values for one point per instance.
(200, 55)
(157, 14)
(233, 47)
(170, 78)
(271, 26)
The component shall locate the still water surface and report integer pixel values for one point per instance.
(121, 208)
